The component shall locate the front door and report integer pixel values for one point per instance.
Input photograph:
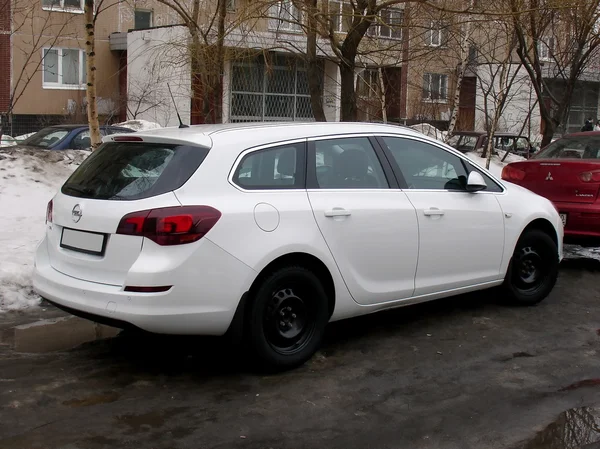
(369, 225)
(461, 234)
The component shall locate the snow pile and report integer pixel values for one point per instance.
(139, 125)
(22, 137)
(496, 164)
(430, 131)
(28, 180)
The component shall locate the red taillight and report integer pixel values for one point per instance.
(511, 173)
(49, 212)
(170, 225)
(127, 139)
(590, 176)
(159, 289)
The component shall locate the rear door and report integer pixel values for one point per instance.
(117, 179)
(367, 222)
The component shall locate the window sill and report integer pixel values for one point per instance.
(62, 87)
(445, 101)
(284, 31)
(59, 9)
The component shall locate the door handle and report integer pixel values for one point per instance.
(433, 211)
(337, 212)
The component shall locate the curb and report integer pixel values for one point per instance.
(56, 334)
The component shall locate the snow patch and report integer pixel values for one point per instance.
(139, 125)
(430, 131)
(28, 180)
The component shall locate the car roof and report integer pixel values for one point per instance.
(255, 133)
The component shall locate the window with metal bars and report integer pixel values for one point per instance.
(276, 90)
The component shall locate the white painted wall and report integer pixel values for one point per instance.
(331, 92)
(154, 58)
(517, 111)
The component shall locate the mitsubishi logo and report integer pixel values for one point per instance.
(549, 177)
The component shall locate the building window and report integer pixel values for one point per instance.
(436, 35)
(546, 48)
(388, 24)
(142, 19)
(285, 16)
(277, 91)
(340, 14)
(435, 87)
(64, 68)
(231, 5)
(65, 5)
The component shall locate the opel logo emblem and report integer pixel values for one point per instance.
(76, 213)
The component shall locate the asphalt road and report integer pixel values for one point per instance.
(466, 372)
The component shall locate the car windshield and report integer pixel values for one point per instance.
(576, 147)
(46, 138)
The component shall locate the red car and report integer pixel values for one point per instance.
(567, 172)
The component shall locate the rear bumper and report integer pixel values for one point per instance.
(202, 303)
(583, 220)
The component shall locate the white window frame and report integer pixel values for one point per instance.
(545, 47)
(443, 82)
(337, 7)
(376, 27)
(59, 84)
(61, 7)
(436, 30)
(276, 23)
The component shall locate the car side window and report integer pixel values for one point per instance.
(426, 166)
(348, 163)
(81, 141)
(272, 168)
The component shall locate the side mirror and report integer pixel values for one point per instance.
(475, 182)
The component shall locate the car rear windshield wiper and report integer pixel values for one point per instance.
(79, 189)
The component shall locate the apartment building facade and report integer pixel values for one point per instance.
(42, 61)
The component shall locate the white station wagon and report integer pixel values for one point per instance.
(270, 231)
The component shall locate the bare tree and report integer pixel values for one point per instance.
(557, 40)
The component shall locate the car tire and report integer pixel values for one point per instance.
(533, 269)
(287, 318)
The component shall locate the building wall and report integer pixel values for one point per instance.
(5, 53)
(155, 58)
(520, 114)
(38, 28)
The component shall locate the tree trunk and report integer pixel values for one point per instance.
(549, 129)
(218, 80)
(315, 81)
(348, 112)
(90, 50)
(464, 50)
(382, 97)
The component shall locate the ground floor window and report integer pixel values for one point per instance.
(270, 89)
(64, 68)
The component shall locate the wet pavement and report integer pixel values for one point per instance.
(466, 372)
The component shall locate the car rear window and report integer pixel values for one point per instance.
(579, 147)
(132, 171)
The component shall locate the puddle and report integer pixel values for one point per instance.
(573, 429)
(96, 399)
(150, 420)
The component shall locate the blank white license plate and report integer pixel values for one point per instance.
(563, 217)
(85, 242)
